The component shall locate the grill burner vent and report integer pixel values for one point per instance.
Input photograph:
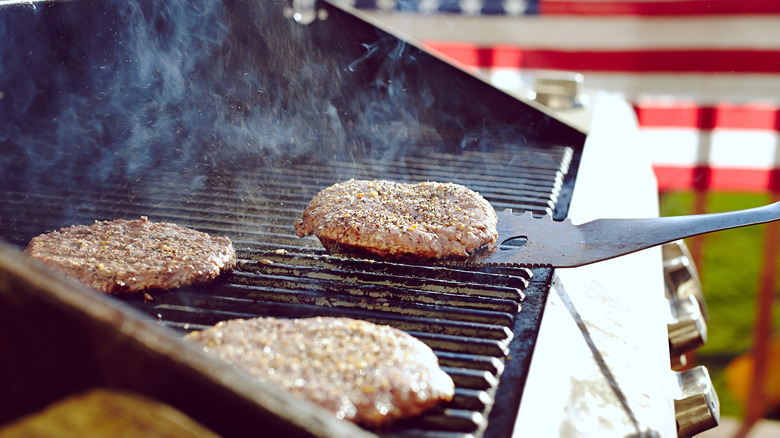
(481, 323)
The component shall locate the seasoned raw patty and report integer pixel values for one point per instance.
(396, 220)
(366, 373)
(130, 256)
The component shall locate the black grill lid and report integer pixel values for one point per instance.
(95, 91)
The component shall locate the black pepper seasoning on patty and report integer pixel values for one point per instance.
(131, 256)
(428, 220)
(370, 374)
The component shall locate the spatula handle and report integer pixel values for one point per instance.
(646, 233)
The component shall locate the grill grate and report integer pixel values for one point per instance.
(472, 318)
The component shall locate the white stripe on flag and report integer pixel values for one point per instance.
(579, 33)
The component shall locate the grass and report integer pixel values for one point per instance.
(729, 270)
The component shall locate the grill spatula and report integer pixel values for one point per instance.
(525, 240)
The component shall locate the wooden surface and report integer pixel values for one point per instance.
(106, 413)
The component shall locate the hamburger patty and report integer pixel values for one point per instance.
(366, 373)
(428, 220)
(130, 256)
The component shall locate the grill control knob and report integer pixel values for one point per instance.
(680, 276)
(697, 409)
(559, 91)
(687, 330)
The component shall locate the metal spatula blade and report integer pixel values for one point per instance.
(525, 240)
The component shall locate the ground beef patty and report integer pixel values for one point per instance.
(428, 220)
(366, 373)
(130, 256)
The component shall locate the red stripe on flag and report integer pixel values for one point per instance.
(659, 8)
(636, 61)
(726, 116)
(714, 178)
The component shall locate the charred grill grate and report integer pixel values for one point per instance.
(471, 317)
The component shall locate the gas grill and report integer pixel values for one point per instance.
(228, 118)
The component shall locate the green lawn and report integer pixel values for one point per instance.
(729, 271)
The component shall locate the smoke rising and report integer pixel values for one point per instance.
(96, 92)
(92, 90)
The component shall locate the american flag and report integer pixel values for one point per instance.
(703, 75)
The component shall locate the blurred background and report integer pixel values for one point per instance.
(704, 79)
